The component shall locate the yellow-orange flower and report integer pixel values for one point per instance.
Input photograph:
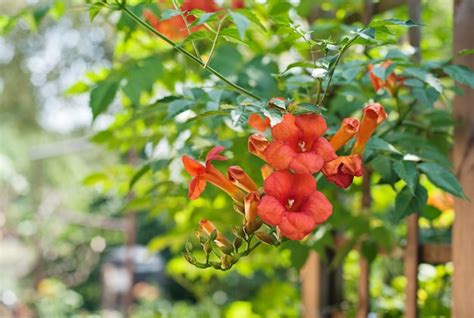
(349, 128)
(374, 115)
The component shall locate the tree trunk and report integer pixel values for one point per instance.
(463, 231)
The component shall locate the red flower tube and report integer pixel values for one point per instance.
(292, 203)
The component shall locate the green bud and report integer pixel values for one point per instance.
(237, 243)
(265, 238)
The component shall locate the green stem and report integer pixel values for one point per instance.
(214, 43)
(189, 55)
(331, 72)
(187, 28)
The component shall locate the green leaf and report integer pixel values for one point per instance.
(407, 23)
(430, 212)
(461, 74)
(466, 52)
(407, 171)
(299, 253)
(169, 13)
(77, 88)
(241, 22)
(140, 173)
(298, 64)
(178, 106)
(406, 203)
(102, 95)
(442, 178)
(376, 143)
(239, 116)
(426, 77)
(211, 113)
(369, 250)
(95, 9)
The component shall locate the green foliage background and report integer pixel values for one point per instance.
(163, 105)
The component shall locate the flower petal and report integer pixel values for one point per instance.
(270, 210)
(311, 125)
(318, 207)
(279, 155)
(214, 154)
(196, 187)
(279, 185)
(303, 185)
(324, 149)
(287, 130)
(306, 162)
(296, 225)
(193, 167)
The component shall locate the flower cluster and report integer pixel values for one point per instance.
(289, 204)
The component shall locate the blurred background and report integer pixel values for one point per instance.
(69, 245)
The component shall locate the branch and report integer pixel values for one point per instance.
(187, 54)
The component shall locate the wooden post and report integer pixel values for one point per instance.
(412, 258)
(311, 286)
(363, 287)
(463, 156)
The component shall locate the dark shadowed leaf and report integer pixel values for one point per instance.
(102, 95)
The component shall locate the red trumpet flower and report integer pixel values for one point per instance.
(298, 144)
(342, 170)
(208, 173)
(374, 115)
(348, 129)
(391, 83)
(292, 203)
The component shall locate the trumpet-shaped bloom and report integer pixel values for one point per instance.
(298, 144)
(374, 115)
(348, 129)
(391, 83)
(292, 203)
(342, 170)
(259, 123)
(208, 173)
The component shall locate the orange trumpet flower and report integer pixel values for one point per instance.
(374, 115)
(208, 173)
(349, 128)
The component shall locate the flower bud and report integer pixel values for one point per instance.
(226, 262)
(221, 241)
(265, 238)
(348, 129)
(241, 179)
(374, 115)
(251, 203)
(257, 145)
